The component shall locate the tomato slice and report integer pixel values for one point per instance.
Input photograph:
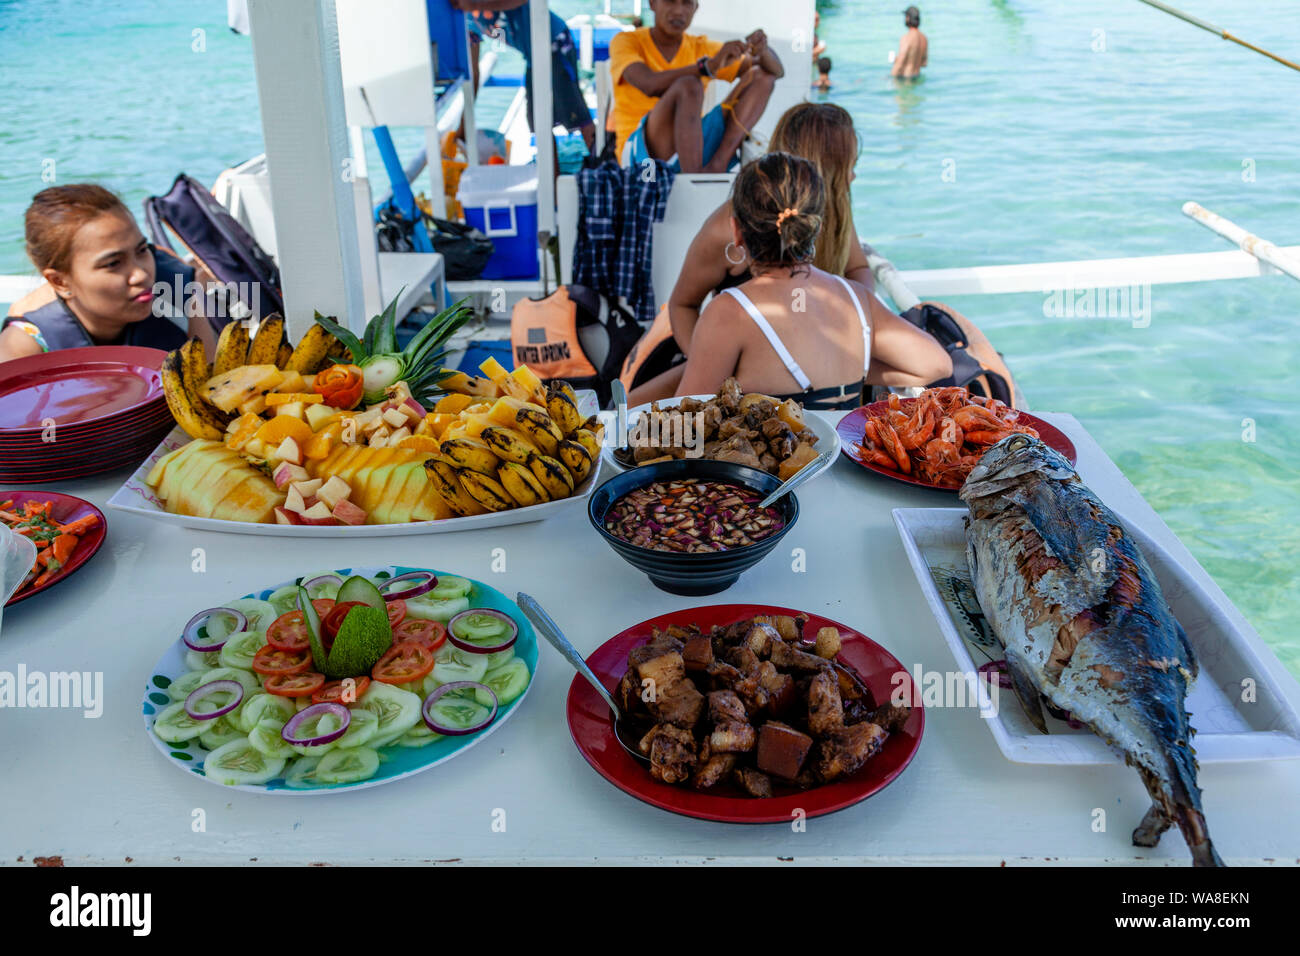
(274, 660)
(432, 634)
(294, 685)
(332, 621)
(288, 632)
(333, 691)
(404, 662)
(396, 612)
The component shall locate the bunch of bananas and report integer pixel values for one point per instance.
(186, 372)
(515, 454)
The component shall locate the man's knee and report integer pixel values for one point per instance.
(688, 88)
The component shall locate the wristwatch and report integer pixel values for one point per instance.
(703, 64)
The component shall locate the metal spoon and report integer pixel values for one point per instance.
(627, 737)
(795, 480)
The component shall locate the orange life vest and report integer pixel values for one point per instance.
(544, 336)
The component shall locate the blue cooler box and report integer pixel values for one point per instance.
(502, 202)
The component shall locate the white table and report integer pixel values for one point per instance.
(97, 791)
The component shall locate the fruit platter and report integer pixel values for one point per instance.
(339, 435)
(339, 680)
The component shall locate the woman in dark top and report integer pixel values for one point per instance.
(793, 330)
(102, 273)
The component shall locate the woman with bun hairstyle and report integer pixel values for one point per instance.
(101, 272)
(793, 330)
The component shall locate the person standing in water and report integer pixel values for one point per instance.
(913, 48)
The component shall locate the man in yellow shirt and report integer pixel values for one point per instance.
(659, 75)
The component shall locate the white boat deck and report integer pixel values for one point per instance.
(96, 791)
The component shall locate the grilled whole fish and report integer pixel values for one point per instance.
(1083, 623)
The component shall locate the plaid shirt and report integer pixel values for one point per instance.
(617, 209)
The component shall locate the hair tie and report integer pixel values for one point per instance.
(785, 214)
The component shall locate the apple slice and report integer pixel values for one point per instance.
(284, 516)
(292, 409)
(318, 513)
(395, 417)
(348, 513)
(288, 474)
(318, 416)
(334, 491)
(308, 487)
(289, 451)
(398, 434)
(294, 502)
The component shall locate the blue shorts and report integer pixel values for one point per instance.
(713, 125)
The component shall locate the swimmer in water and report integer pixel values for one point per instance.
(913, 48)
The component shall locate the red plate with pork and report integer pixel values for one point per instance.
(878, 671)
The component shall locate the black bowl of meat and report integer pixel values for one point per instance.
(693, 526)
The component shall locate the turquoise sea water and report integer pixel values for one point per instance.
(1041, 131)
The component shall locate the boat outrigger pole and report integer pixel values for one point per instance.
(1217, 30)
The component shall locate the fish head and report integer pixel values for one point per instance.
(1010, 462)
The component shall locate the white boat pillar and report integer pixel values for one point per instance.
(539, 17)
(300, 89)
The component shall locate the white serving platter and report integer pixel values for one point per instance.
(1228, 729)
(828, 439)
(138, 498)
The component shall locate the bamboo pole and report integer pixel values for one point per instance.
(1261, 249)
(1217, 30)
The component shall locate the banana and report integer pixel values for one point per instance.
(194, 372)
(589, 441)
(471, 454)
(232, 347)
(447, 485)
(576, 458)
(265, 348)
(486, 491)
(508, 444)
(338, 350)
(182, 404)
(311, 350)
(540, 429)
(563, 406)
(594, 425)
(522, 484)
(283, 355)
(555, 478)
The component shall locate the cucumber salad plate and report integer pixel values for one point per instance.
(340, 680)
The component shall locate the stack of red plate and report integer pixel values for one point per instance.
(78, 412)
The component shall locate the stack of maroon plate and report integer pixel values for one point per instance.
(78, 412)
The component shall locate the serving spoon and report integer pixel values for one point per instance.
(795, 480)
(627, 737)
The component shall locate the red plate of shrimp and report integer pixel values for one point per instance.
(935, 439)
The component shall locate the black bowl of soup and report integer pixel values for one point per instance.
(692, 525)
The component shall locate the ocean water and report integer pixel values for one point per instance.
(1040, 131)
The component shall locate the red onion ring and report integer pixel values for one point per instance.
(307, 585)
(430, 582)
(433, 698)
(996, 673)
(191, 634)
(308, 713)
(207, 690)
(467, 645)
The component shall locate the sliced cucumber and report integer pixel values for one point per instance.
(262, 707)
(499, 659)
(324, 724)
(220, 732)
(461, 711)
(266, 738)
(239, 762)
(174, 725)
(362, 729)
(284, 599)
(398, 711)
(260, 614)
(478, 628)
(429, 609)
(457, 664)
(241, 648)
(348, 766)
(357, 588)
(302, 774)
(418, 736)
(247, 679)
(507, 683)
(450, 587)
(202, 660)
(327, 589)
(187, 684)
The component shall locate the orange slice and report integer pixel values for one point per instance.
(420, 443)
(282, 427)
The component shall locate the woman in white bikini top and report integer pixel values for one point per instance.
(792, 330)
